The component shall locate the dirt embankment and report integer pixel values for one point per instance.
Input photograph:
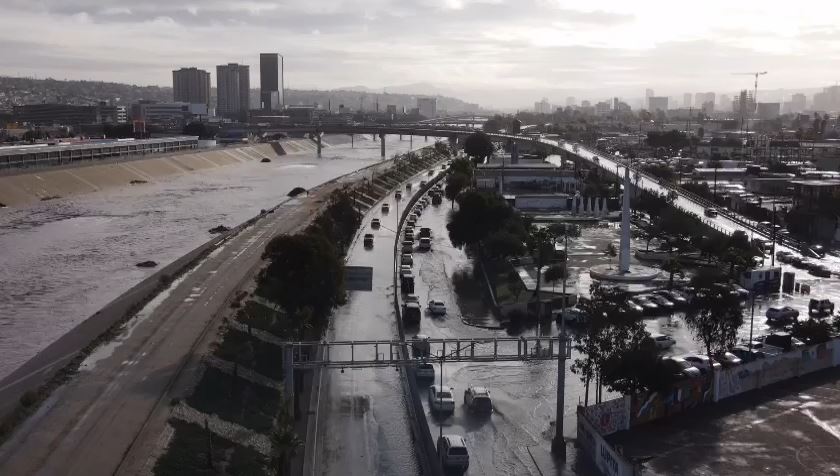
(52, 183)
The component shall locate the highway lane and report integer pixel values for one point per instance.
(108, 418)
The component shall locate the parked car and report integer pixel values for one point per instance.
(437, 199)
(661, 301)
(453, 453)
(441, 399)
(781, 314)
(744, 354)
(674, 296)
(820, 270)
(740, 291)
(412, 298)
(422, 183)
(437, 308)
(375, 223)
(408, 186)
(783, 340)
(408, 235)
(573, 316)
(425, 232)
(680, 368)
(368, 241)
(711, 213)
(633, 308)
(815, 251)
(820, 307)
(425, 244)
(728, 359)
(784, 256)
(662, 341)
(649, 306)
(477, 400)
(386, 208)
(702, 362)
(424, 370)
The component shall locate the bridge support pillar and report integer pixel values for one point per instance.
(352, 137)
(514, 153)
(426, 138)
(374, 137)
(400, 137)
(318, 142)
(382, 144)
(410, 142)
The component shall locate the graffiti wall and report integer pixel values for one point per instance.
(683, 396)
(610, 416)
(606, 458)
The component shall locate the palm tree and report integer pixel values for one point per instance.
(672, 266)
(284, 445)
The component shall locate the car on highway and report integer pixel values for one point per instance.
(386, 208)
(408, 235)
(420, 347)
(422, 183)
(815, 251)
(633, 308)
(453, 453)
(405, 269)
(408, 186)
(711, 212)
(662, 341)
(820, 270)
(407, 246)
(411, 313)
(368, 240)
(424, 370)
(781, 314)
(425, 232)
(702, 362)
(437, 199)
(477, 399)
(425, 244)
(784, 256)
(407, 258)
(441, 399)
(412, 298)
(430, 172)
(820, 307)
(437, 308)
(375, 223)
(680, 368)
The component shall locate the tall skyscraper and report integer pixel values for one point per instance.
(648, 94)
(271, 82)
(191, 85)
(233, 89)
(687, 100)
(571, 101)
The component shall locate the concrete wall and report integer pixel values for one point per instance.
(30, 187)
(608, 460)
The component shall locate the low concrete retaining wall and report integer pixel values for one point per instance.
(605, 457)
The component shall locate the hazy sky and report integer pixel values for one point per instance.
(503, 53)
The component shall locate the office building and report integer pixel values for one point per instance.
(648, 94)
(743, 106)
(191, 85)
(391, 109)
(658, 103)
(170, 115)
(828, 99)
(725, 103)
(427, 107)
(797, 102)
(687, 100)
(272, 97)
(768, 110)
(571, 101)
(603, 108)
(233, 88)
(56, 114)
(542, 107)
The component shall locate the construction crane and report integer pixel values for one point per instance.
(755, 91)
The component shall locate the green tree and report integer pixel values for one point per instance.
(556, 273)
(200, 129)
(715, 314)
(672, 266)
(503, 244)
(284, 443)
(479, 214)
(478, 146)
(305, 270)
(455, 184)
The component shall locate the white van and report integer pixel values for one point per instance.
(453, 453)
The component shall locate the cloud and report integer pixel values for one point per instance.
(497, 52)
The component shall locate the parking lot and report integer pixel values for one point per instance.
(792, 428)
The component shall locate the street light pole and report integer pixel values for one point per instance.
(558, 444)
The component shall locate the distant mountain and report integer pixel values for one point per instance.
(17, 91)
(425, 89)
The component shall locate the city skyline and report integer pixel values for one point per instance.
(528, 49)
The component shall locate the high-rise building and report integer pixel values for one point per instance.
(658, 103)
(725, 103)
(768, 110)
(585, 103)
(648, 94)
(797, 102)
(191, 85)
(571, 101)
(427, 107)
(743, 106)
(828, 99)
(272, 97)
(233, 89)
(542, 107)
(687, 100)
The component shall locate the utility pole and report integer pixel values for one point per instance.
(558, 444)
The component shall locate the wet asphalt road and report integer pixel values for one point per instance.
(523, 393)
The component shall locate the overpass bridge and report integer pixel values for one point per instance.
(727, 222)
